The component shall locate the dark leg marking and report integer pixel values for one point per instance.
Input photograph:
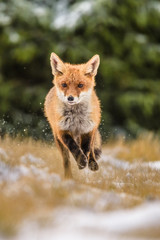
(85, 145)
(92, 164)
(97, 153)
(75, 150)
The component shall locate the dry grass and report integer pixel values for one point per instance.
(19, 147)
(35, 194)
(144, 149)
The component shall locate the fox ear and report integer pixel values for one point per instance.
(58, 67)
(92, 65)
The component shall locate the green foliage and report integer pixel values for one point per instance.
(125, 34)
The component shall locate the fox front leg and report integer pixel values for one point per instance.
(76, 151)
(87, 146)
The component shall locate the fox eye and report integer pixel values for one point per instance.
(64, 85)
(80, 85)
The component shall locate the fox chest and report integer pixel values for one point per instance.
(76, 119)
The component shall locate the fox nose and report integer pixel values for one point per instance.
(70, 98)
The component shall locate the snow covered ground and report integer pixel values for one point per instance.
(126, 165)
(74, 223)
(89, 210)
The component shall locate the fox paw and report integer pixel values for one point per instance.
(82, 162)
(93, 165)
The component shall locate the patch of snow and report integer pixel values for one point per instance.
(75, 223)
(23, 170)
(115, 162)
(154, 165)
(55, 179)
(119, 184)
(108, 200)
(87, 173)
(3, 153)
(8, 173)
(40, 173)
(146, 215)
(13, 173)
(118, 163)
(29, 158)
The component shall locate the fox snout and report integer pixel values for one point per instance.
(70, 98)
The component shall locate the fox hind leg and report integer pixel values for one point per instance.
(96, 153)
(97, 145)
(66, 161)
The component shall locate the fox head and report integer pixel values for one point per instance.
(74, 82)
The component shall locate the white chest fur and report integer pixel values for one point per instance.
(76, 118)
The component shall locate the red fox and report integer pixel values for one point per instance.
(73, 111)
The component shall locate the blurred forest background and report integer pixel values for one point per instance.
(126, 35)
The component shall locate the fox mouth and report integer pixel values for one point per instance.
(71, 102)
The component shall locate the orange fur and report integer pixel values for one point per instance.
(75, 123)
